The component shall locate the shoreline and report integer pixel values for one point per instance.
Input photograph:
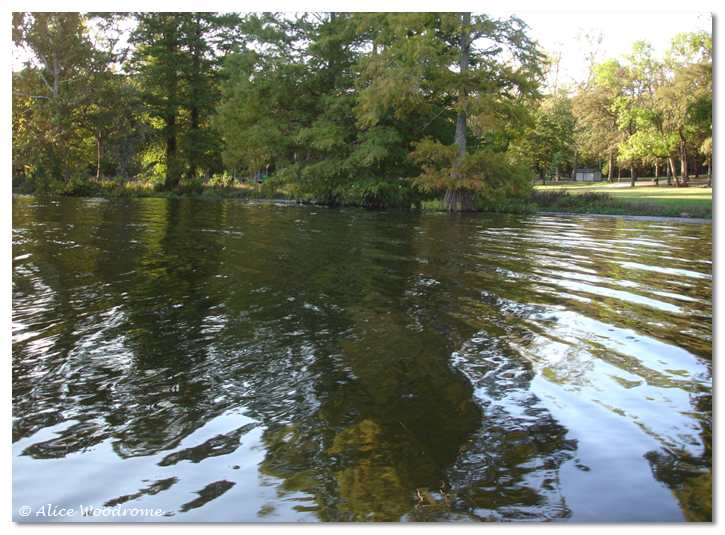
(671, 219)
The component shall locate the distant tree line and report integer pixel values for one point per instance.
(365, 109)
(634, 115)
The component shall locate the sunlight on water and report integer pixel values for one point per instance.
(241, 361)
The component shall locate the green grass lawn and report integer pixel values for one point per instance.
(694, 199)
(690, 195)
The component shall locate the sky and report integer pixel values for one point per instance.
(557, 30)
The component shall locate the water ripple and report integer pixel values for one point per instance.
(236, 361)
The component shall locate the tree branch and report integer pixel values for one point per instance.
(46, 82)
(26, 110)
(433, 119)
(30, 96)
(70, 80)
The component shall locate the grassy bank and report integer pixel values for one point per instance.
(694, 201)
(622, 199)
(609, 203)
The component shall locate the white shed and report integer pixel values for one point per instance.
(588, 175)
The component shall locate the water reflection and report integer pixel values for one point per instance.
(391, 424)
(332, 365)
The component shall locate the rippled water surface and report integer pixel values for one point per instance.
(237, 361)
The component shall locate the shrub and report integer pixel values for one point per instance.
(224, 180)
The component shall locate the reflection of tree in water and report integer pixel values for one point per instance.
(378, 469)
(124, 367)
(508, 470)
(689, 476)
(366, 456)
(170, 301)
(393, 415)
(72, 273)
(690, 484)
(401, 438)
(63, 249)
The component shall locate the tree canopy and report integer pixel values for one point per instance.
(370, 109)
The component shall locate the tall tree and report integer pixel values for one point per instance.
(288, 106)
(595, 106)
(112, 103)
(670, 101)
(159, 60)
(52, 92)
(257, 114)
(591, 49)
(549, 142)
(480, 69)
(649, 143)
(637, 80)
(177, 57)
(327, 135)
(685, 97)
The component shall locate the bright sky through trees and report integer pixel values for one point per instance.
(556, 30)
(554, 25)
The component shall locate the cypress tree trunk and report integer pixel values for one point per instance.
(576, 163)
(196, 98)
(696, 166)
(194, 127)
(457, 197)
(173, 175)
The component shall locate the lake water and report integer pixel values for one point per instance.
(200, 360)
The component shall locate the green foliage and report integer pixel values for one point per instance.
(176, 60)
(509, 205)
(642, 110)
(289, 109)
(52, 94)
(225, 180)
(336, 122)
(549, 142)
(442, 73)
(487, 173)
(370, 109)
